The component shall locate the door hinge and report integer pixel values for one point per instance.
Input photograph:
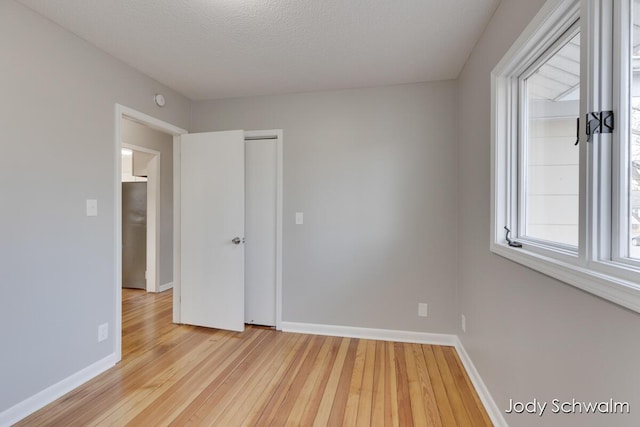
(599, 122)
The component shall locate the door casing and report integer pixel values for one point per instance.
(121, 112)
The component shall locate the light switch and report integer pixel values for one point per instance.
(299, 218)
(92, 207)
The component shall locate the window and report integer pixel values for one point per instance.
(566, 147)
(550, 105)
(630, 139)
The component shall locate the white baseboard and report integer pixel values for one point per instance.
(165, 287)
(370, 334)
(483, 392)
(32, 404)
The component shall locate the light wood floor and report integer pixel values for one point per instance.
(183, 375)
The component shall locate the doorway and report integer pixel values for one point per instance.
(134, 227)
(147, 218)
(275, 139)
(262, 207)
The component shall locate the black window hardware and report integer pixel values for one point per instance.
(511, 243)
(599, 122)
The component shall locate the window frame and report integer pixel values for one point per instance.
(598, 265)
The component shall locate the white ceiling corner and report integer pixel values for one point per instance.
(207, 49)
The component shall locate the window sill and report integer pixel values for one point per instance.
(622, 292)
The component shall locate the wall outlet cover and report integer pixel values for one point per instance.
(103, 332)
(92, 207)
(422, 309)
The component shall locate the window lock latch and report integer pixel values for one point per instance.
(599, 122)
(511, 243)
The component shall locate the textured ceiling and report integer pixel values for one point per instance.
(209, 49)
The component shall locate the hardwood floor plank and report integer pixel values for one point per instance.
(260, 407)
(459, 411)
(107, 389)
(391, 417)
(234, 387)
(293, 395)
(280, 394)
(405, 416)
(366, 392)
(378, 404)
(330, 391)
(351, 409)
(470, 385)
(427, 393)
(254, 402)
(174, 399)
(416, 396)
(318, 386)
(184, 375)
(439, 391)
(145, 395)
(342, 392)
(304, 397)
(219, 380)
(468, 394)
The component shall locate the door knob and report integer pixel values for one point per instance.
(237, 240)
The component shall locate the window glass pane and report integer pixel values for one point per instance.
(551, 179)
(634, 149)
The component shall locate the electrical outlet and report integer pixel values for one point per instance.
(92, 207)
(422, 309)
(463, 322)
(103, 332)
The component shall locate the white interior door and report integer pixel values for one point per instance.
(261, 212)
(212, 217)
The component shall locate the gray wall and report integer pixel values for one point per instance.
(374, 171)
(530, 336)
(142, 136)
(58, 149)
